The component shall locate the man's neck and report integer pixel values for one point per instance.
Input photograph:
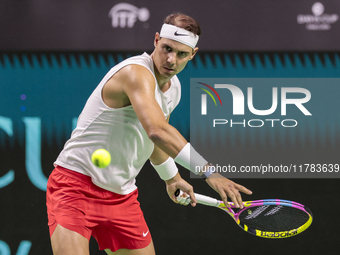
(163, 83)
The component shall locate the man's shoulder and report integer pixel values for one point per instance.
(133, 73)
(143, 59)
(139, 63)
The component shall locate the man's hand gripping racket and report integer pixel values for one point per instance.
(268, 218)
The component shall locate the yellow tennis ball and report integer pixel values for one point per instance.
(101, 158)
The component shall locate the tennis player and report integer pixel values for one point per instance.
(127, 114)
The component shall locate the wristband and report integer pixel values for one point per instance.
(189, 158)
(167, 169)
(209, 171)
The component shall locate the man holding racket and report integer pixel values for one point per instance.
(127, 114)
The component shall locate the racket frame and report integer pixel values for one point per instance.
(209, 201)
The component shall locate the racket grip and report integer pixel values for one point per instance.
(201, 199)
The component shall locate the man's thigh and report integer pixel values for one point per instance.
(149, 250)
(68, 242)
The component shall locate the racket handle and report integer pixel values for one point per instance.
(201, 199)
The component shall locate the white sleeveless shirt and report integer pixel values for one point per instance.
(119, 131)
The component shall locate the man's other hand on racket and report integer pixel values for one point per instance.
(227, 188)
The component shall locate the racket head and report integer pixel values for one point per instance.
(271, 218)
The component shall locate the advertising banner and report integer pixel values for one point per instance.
(110, 25)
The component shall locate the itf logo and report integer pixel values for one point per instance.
(125, 15)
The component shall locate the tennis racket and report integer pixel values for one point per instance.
(268, 218)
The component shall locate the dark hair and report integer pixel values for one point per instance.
(183, 21)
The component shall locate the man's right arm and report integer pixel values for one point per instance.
(139, 86)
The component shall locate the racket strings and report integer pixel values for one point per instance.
(273, 218)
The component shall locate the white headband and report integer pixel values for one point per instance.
(179, 34)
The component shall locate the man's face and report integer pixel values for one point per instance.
(170, 57)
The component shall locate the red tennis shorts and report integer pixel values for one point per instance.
(115, 221)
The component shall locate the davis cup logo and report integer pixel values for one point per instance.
(319, 20)
(240, 102)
